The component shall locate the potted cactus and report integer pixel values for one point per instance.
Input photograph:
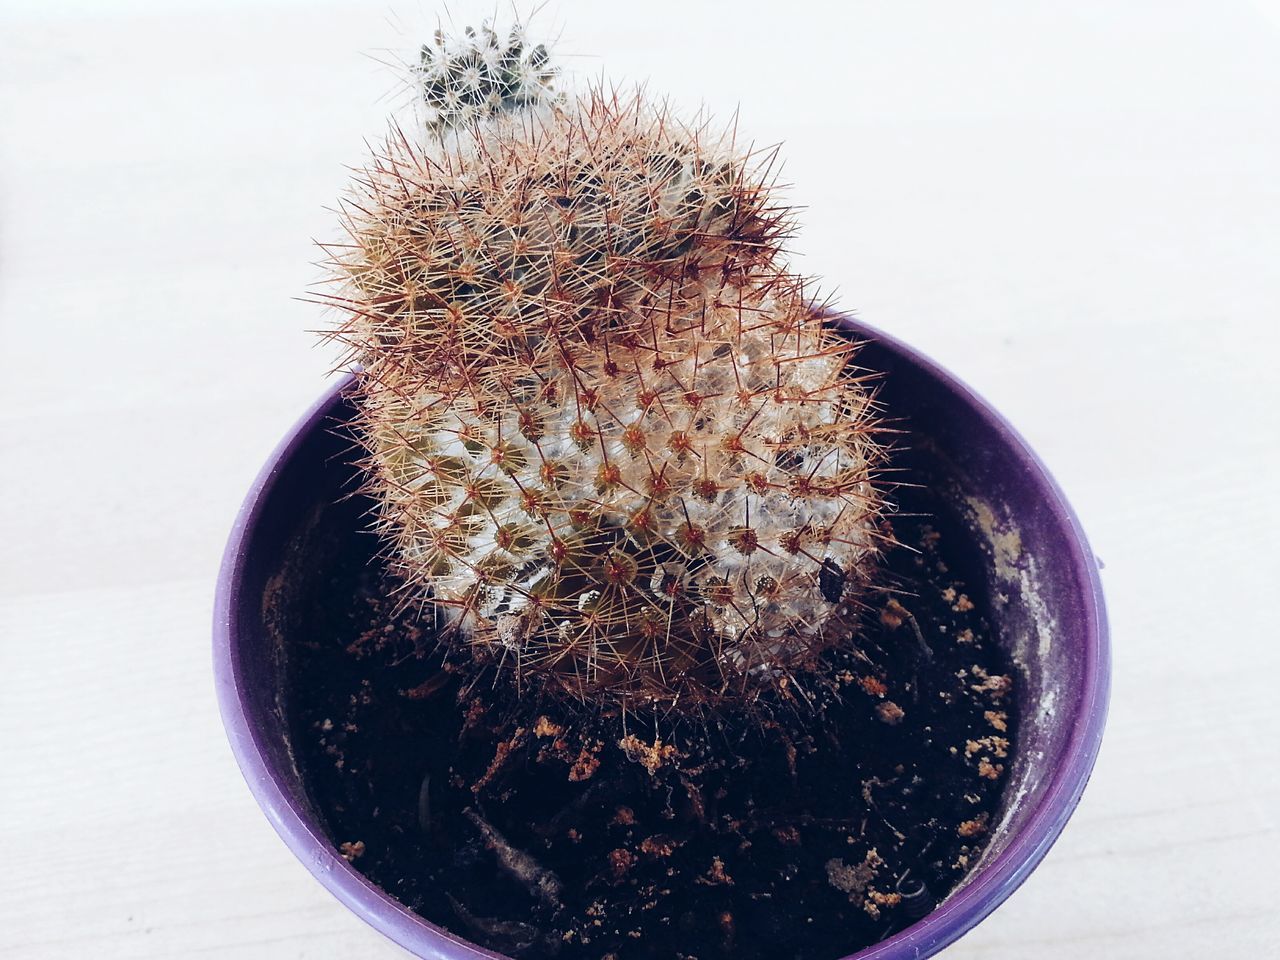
(662, 611)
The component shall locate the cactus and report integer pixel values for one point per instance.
(608, 435)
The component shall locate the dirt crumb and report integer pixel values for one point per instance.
(998, 746)
(973, 828)
(585, 767)
(545, 728)
(853, 879)
(620, 862)
(989, 770)
(651, 756)
(716, 875)
(997, 685)
(787, 836)
(352, 851)
(884, 899)
(873, 686)
(500, 754)
(892, 614)
(890, 713)
(659, 845)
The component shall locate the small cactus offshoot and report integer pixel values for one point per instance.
(468, 79)
(608, 434)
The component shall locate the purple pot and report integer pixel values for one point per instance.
(1034, 559)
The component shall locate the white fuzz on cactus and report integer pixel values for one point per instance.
(608, 434)
(469, 79)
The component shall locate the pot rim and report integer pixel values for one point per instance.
(989, 886)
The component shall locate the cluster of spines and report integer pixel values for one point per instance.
(607, 431)
(463, 254)
(467, 80)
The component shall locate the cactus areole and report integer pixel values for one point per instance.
(611, 443)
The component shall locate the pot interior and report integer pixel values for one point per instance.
(1026, 554)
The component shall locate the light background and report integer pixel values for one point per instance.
(1075, 206)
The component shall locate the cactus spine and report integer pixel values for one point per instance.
(607, 433)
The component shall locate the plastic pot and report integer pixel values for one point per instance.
(1034, 559)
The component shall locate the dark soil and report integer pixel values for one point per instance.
(538, 829)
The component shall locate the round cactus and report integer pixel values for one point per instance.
(609, 437)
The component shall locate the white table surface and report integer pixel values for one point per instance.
(1073, 205)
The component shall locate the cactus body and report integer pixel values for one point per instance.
(608, 436)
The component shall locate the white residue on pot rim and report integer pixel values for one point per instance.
(1013, 567)
(1004, 538)
(1022, 617)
